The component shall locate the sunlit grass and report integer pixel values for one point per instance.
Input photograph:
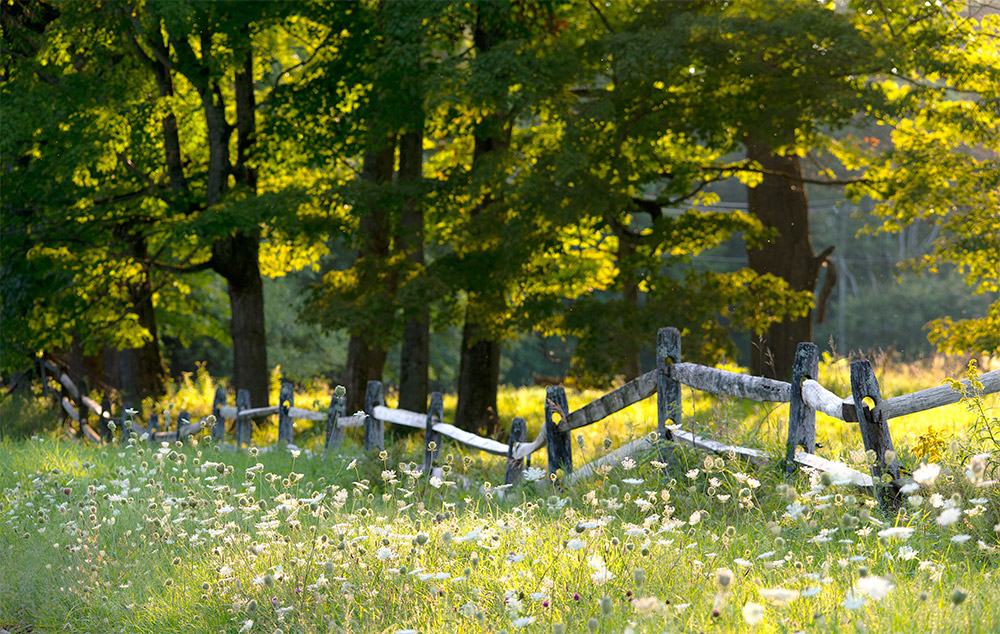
(192, 538)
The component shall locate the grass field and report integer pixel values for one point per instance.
(195, 538)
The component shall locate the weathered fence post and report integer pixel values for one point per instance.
(41, 374)
(374, 428)
(558, 443)
(286, 398)
(669, 406)
(875, 431)
(801, 417)
(515, 468)
(335, 433)
(106, 434)
(244, 432)
(219, 427)
(435, 414)
(81, 407)
(154, 426)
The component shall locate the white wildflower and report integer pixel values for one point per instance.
(753, 613)
(927, 473)
(877, 588)
(948, 517)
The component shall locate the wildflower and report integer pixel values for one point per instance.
(724, 578)
(753, 613)
(533, 474)
(523, 621)
(927, 473)
(906, 553)
(874, 587)
(961, 539)
(633, 481)
(246, 626)
(958, 595)
(779, 596)
(628, 464)
(576, 544)
(646, 605)
(639, 576)
(852, 602)
(897, 532)
(948, 517)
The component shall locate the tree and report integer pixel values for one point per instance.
(942, 163)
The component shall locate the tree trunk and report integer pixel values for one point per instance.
(479, 370)
(632, 366)
(366, 350)
(781, 205)
(237, 257)
(414, 358)
(146, 362)
(478, 377)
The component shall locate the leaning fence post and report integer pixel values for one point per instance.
(875, 431)
(668, 390)
(435, 414)
(244, 433)
(515, 468)
(374, 428)
(801, 417)
(219, 427)
(334, 432)
(286, 398)
(559, 444)
(106, 434)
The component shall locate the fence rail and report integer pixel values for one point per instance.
(805, 395)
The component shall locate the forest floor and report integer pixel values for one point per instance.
(196, 538)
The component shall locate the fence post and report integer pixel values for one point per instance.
(559, 443)
(106, 434)
(669, 405)
(334, 433)
(435, 410)
(81, 408)
(154, 426)
(244, 432)
(374, 428)
(515, 468)
(219, 428)
(874, 431)
(286, 398)
(41, 373)
(801, 417)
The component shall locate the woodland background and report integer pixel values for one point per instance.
(455, 195)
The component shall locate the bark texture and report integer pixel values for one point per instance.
(366, 351)
(479, 368)
(780, 203)
(415, 352)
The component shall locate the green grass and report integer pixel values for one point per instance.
(196, 538)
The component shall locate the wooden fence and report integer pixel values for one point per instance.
(804, 395)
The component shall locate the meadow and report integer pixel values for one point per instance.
(200, 538)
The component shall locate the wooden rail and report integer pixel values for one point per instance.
(804, 394)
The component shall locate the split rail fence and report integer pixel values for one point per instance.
(804, 395)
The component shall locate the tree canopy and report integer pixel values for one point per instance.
(503, 167)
